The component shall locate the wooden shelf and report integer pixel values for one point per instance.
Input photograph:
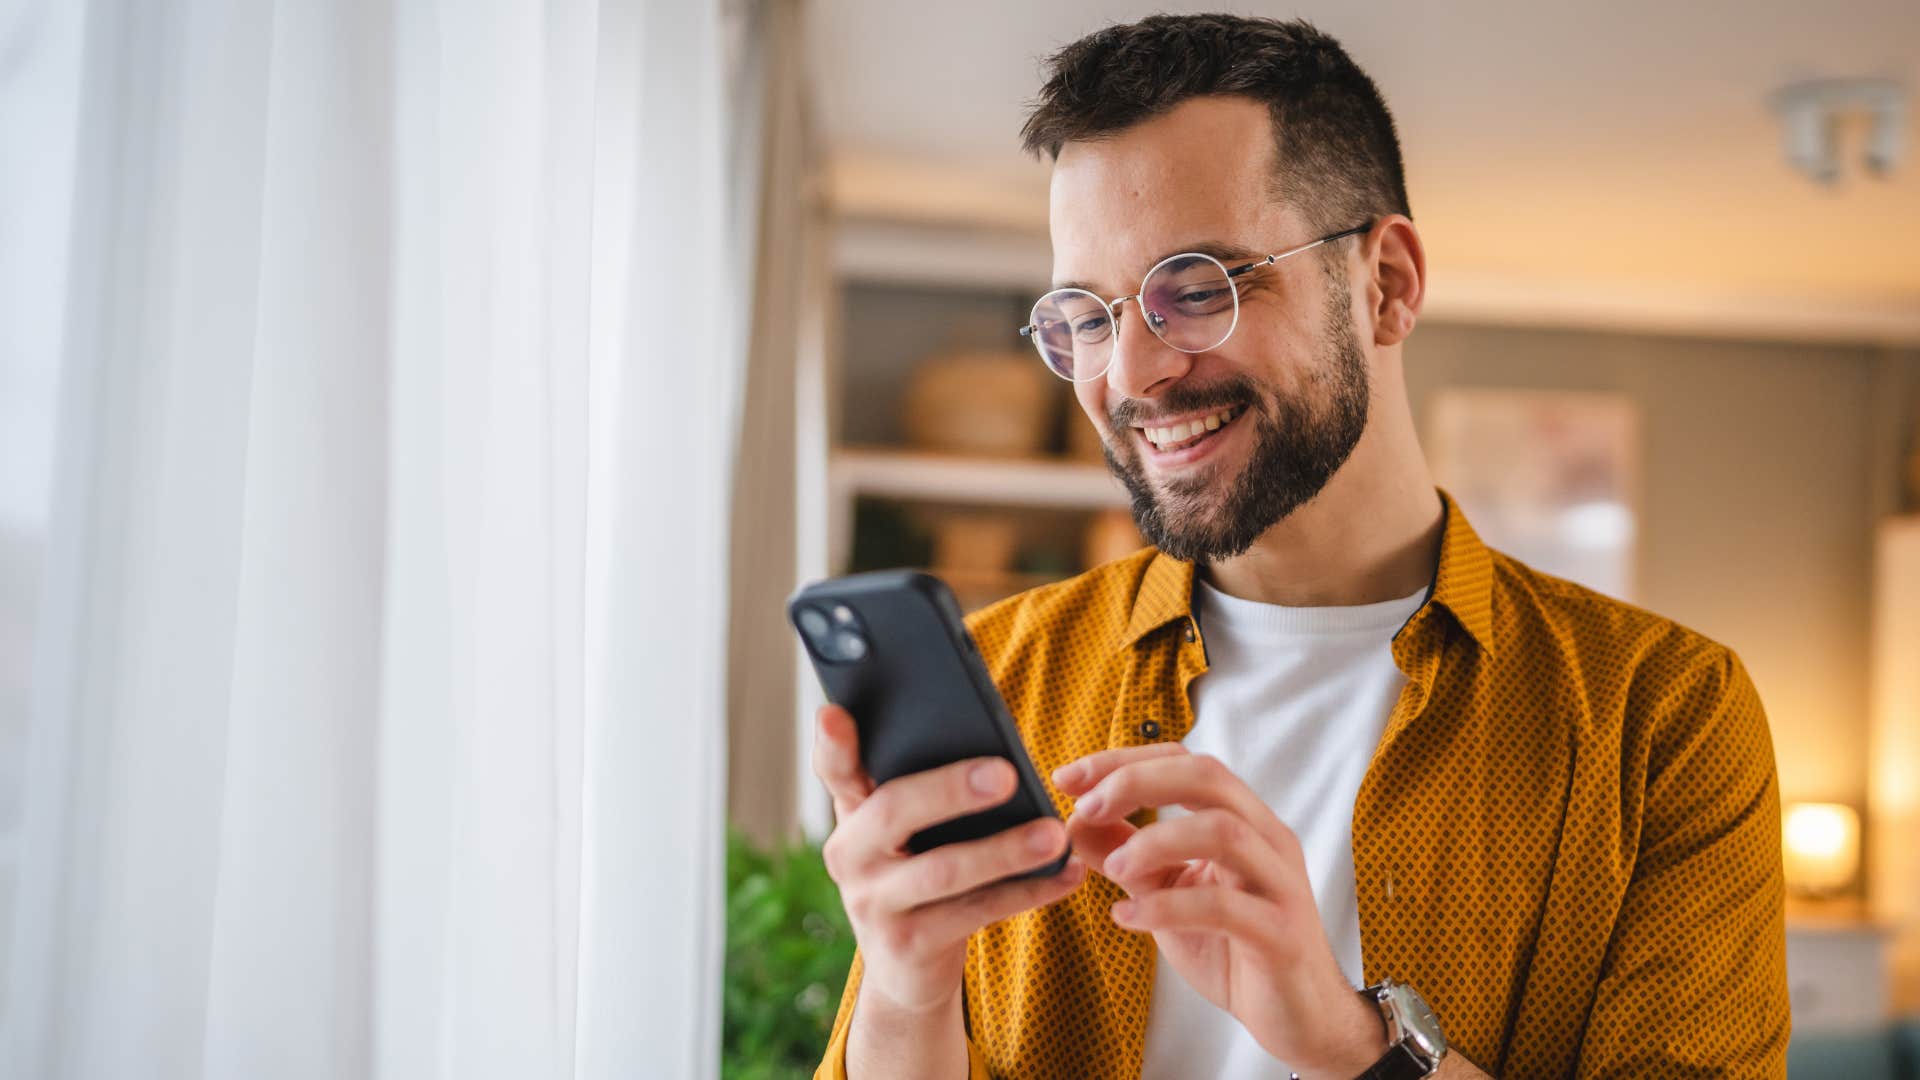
(975, 589)
(929, 477)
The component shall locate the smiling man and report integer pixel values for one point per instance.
(1349, 793)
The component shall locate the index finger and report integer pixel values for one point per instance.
(1077, 776)
(836, 759)
(1195, 781)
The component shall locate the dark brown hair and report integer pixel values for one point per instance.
(1336, 155)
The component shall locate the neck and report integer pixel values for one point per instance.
(1372, 534)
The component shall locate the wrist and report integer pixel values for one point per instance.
(889, 1039)
(895, 1012)
(1355, 1039)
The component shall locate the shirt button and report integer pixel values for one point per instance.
(1150, 729)
(1190, 634)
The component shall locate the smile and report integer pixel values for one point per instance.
(1192, 432)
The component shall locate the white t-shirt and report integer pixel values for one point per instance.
(1294, 701)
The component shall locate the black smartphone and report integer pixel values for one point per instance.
(891, 649)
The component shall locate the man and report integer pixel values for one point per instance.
(1322, 738)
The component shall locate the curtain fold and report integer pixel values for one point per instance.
(378, 724)
(654, 875)
(778, 212)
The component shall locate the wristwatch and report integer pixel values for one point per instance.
(1415, 1043)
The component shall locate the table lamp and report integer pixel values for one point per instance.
(1821, 845)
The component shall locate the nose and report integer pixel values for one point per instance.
(1143, 365)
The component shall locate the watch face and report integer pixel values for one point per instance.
(1417, 1021)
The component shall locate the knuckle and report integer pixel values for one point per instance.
(1227, 829)
(859, 904)
(1289, 842)
(883, 808)
(1014, 841)
(833, 854)
(937, 876)
(1007, 853)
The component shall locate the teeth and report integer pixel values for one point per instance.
(1177, 433)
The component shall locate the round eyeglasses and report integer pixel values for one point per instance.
(1189, 301)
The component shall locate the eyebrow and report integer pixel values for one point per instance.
(1226, 253)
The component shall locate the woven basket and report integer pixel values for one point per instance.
(996, 404)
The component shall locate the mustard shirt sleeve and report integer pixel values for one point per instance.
(1695, 979)
(834, 1065)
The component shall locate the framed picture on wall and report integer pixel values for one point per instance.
(1549, 477)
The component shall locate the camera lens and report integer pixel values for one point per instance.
(814, 623)
(843, 614)
(851, 645)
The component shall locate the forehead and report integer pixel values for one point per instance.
(1199, 174)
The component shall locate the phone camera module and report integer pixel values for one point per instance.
(850, 645)
(833, 634)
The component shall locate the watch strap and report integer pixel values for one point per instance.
(1398, 1063)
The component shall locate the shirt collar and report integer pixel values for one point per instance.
(1462, 584)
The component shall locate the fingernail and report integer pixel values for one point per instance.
(1041, 839)
(1116, 864)
(1123, 912)
(1088, 806)
(985, 777)
(1065, 773)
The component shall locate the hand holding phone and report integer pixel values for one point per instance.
(912, 913)
(942, 826)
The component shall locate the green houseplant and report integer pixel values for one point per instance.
(788, 948)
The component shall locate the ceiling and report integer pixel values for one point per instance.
(1614, 157)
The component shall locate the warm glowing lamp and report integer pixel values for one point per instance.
(1822, 847)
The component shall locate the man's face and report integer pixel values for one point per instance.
(1291, 383)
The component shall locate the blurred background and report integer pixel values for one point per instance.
(363, 497)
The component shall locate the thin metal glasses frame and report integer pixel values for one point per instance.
(1031, 331)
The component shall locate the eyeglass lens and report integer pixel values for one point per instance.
(1187, 301)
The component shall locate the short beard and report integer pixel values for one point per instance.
(1298, 446)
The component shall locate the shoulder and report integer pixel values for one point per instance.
(1664, 681)
(1535, 608)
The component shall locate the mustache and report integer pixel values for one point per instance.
(1182, 400)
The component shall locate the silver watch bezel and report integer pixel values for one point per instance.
(1410, 1021)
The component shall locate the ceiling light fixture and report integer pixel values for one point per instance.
(1811, 114)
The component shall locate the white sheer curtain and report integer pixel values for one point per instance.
(377, 723)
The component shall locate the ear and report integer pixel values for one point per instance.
(1399, 284)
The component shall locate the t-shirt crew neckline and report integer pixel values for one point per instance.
(1252, 618)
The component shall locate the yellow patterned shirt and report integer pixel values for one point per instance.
(1568, 839)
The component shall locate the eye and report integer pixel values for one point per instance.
(1091, 328)
(1205, 295)
(1207, 299)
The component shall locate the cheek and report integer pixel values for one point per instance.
(1092, 396)
(1274, 358)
